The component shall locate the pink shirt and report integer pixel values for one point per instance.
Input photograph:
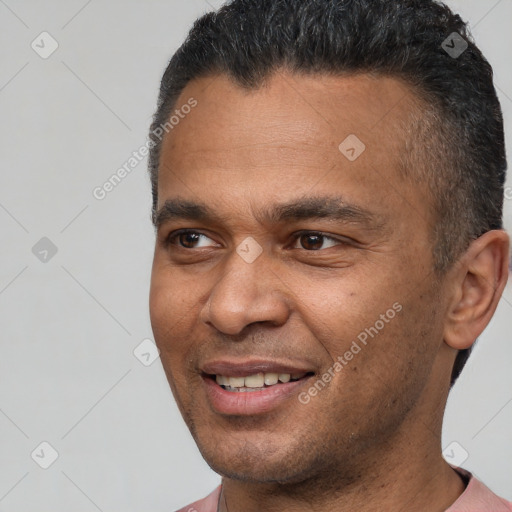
(476, 498)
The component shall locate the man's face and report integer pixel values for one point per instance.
(296, 253)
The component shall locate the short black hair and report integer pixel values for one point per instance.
(456, 146)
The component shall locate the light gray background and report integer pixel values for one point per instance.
(69, 326)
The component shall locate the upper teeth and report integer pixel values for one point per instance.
(257, 380)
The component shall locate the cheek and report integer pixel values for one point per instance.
(337, 312)
(170, 298)
(161, 307)
(381, 330)
(169, 330)
(396, 361)
(169, 321)
(175, 302)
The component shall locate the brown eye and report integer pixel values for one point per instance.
(316, 241)
(189, 240)
(311, 242)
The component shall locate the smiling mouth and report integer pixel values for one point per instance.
(257, 381)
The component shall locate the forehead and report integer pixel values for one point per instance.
(291, 103)
(293, 134)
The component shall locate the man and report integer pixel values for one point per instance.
(327, 191)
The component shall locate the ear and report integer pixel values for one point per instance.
(479, 280)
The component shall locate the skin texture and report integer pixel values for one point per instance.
(370, 440)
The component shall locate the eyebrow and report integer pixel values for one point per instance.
(319, 207)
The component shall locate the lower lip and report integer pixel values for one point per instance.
(244, 403)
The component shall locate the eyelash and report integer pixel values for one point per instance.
(170, 240)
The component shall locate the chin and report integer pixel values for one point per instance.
(262, 472)
(250, 459)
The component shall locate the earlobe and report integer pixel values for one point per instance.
(479, 280)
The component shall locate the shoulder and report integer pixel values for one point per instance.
(478, 498)
(208, 504)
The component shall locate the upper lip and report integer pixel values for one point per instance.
(243, 368)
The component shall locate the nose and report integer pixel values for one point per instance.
(246, 293)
